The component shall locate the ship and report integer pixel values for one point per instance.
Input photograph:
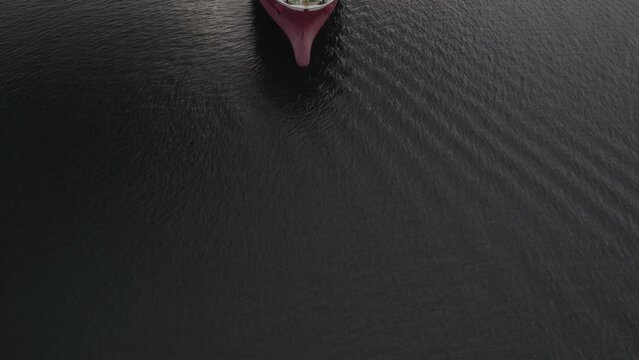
(300, 20)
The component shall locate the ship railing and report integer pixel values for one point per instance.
(305, 5)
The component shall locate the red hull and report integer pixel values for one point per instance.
(301, 27)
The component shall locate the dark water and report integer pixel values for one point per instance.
(449, 180)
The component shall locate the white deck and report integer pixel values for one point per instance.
(305, 5)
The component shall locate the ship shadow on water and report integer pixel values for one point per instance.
(280, 77)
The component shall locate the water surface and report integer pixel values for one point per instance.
(449, 179)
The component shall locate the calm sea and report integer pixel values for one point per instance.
(449, 180)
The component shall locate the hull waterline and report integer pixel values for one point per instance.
(301, 27)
